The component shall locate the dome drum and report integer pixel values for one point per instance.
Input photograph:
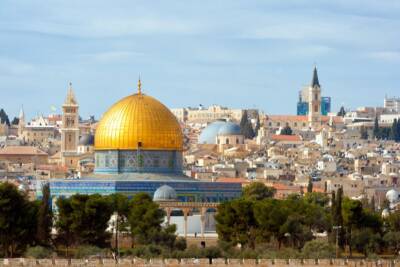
(131, 161)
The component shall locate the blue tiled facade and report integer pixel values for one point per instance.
(128, 161)
(187, 191)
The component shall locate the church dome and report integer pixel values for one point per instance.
(229, 128)
(220, 127)
(86, 140)
(138, 121)
(165, 193)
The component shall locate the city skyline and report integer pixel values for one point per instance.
(197, 53)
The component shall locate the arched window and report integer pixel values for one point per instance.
(237, 140)
(227, 141)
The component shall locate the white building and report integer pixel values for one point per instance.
(392, 104)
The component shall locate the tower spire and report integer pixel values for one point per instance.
(315, 81)
(139, 86)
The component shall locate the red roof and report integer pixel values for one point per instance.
(291, 138)
(22, 150)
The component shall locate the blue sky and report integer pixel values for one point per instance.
(234, 53)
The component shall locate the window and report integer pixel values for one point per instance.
(237, 140)
(316, 96)
(227, 141)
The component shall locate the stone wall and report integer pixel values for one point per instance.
(200, 262)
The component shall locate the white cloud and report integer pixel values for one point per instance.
(112, 56)
(385, 55)
(10, 66)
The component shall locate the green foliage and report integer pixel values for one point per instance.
(15, 121)
(287, 130)
(38, 252)
(18, 220)
(342, 112)
(83, 219)
(310, 186)
(317, 198)
(236, 223)
(44, 218)
(318, 249)
(258, 126)
(4, 117)
(246, 127)
(365, 241)
(364, 133)
(392, 241)
(258, 191)
(145, 218)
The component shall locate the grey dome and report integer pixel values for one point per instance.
(165, 193)
(86, 140)
(209, 134)
(229, 128)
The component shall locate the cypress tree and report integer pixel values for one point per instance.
(394, 134)
(376, 128)
(339, 216)
(258, 126)
(45, 218)
(245, 126)
(4, 117)
(309, 186)
(363, 133)
(341, 112)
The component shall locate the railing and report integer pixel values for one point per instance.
(200, 262)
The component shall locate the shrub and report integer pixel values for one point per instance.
(38, 252)
(87, 251)
(318, 249)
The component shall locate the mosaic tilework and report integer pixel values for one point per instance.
(120, 161)
(186, 191)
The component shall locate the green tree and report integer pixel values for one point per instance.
(392, 241)
(317, 198)
(352, 211)
(376, 131)
(287, 130)
(394, 134)
(15, 121)
(271, 215)
(246, 127)
(145, 218)
(83, 219)
(4, 117)
(366, 241)
(258, 191)
(310, 186)
(363, 133)
(65, 233)
(236, 223)
(342, 112)
(17, 220)
(44, 218)
(257, 127)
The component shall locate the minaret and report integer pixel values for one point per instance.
(314, 101)
(69, 130)
(21, 123)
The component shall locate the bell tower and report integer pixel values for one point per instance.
(314, 101)
(70, 130)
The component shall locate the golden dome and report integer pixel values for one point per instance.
(138, 120)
